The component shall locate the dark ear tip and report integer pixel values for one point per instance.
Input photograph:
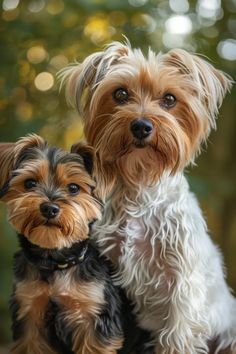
(86, 152)
(75, 147)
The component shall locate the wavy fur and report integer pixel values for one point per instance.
(152, 227)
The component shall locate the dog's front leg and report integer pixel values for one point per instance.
(28, 312)
(185, 329)
(86, 340)
(80, 326)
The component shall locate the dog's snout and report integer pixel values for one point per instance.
(141, 128)
(49, 210)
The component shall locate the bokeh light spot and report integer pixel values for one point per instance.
(98, 29)
(59, 61)
(210, 4)
(209, 8)
(44, 81)
(150, 23)
(36, 54)
(36, 6)
(137, 3)
(171, 40)
(179, 6)
(227, 49)
(178, 24)
(10, 4)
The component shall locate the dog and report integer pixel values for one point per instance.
(64, 300)
(147, 118)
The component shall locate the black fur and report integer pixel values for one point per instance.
(59, 334)
(17, 325)
(136, 339)
(49, 260)
(93, 268)
(4, 189)
(86, 154)
(39, 263)
(88, 161)
(115, 317)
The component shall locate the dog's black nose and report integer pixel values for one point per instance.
(49, 210)
(141, 128)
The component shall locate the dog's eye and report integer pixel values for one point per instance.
(30, 183)
(168, 101)
(73, 188)
(121, 95)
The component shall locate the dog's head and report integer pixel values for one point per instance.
(145, 116)
(49, 191)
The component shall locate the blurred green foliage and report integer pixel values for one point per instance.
(39, 37)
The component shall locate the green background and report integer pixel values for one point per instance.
(41, 36)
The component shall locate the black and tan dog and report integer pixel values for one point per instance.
(63, 300)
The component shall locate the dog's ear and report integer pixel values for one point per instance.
(6, 161)
(87, 153)
(81, 79)
(211, 84)
(24, 145)
(12, 153)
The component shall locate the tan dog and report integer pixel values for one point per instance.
(147, 119)
(64, 300)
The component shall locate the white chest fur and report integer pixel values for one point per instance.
(168, 265)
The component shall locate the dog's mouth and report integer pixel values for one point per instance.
(50, 223)
(128, 148)
(140, 143)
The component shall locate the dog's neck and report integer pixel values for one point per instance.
(165, 185)
(50, 260)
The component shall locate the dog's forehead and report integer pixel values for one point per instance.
(51, 155)
(137, 60)
(152, 76)
(57, 156)
(136, 69)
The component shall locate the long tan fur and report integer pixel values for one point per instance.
(6, 161)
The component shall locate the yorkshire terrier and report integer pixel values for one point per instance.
(147, 118)
(64, 300)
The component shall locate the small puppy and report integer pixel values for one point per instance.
(147, 119)
(63, 300)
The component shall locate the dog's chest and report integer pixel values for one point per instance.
(136, 248)
(138, 237)
(79, 300)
